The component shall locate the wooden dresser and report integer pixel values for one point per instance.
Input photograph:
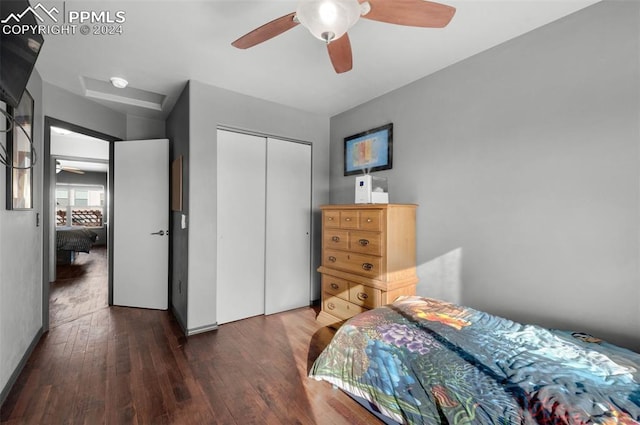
(368, 258)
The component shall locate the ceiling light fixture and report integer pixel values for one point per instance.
(119, 82)
(329, 20)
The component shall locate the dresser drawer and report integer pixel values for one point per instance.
(364, 265)
(365, 242)
(364, 295)
(349, 219)
(340, 308)
(335, 286)
(331, 218)
(370, 220)
(336, 239)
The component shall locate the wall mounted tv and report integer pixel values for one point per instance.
(19, 49)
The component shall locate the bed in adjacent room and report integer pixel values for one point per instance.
(71, 240)
(421, 360)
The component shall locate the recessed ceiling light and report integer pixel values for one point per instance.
(119, 82)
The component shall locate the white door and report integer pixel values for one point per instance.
(240, 226)
(141, 223)
(288, 240)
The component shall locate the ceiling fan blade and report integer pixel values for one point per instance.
(266, 31)
(340, 54)
(413, 13)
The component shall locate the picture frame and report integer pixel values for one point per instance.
(21, 155)
(371, 150)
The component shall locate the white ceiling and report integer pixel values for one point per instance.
(166, 43)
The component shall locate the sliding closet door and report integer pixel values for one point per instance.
(240, 226)
(288, 240)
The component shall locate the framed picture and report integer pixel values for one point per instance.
(21, 156)
(370, 150)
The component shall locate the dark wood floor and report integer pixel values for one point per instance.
(80, 288)
(115, 365)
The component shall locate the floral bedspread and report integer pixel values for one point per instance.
(424, 361)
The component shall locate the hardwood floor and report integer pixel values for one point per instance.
(116, 365)
(80, 288)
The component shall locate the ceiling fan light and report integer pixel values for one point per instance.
(328, 20)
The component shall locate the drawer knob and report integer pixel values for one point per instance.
(348, 219)
(330, 306)
(329, 218)
(363, 242)
(362, 296)
(334, 286)
(367, 266)
(369, 220)
(332, 259)
(336, 238)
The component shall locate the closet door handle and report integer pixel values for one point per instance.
(367, 266)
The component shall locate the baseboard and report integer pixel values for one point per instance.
(18, 370)
(202, 329)
(194, 331)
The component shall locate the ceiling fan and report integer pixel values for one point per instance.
(60, 167)
(329, 20)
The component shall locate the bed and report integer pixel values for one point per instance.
(71, 240)
(425, 361)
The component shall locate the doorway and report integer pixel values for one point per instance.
(76, 210)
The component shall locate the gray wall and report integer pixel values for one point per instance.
(177, 130)
(69, 107)
(209, 107)
(20, 262)
(66, 106)
(141, 128)
(524, 163)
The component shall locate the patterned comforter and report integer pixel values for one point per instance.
(421, 360)
(78, 239)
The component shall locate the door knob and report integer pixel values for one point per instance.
(160, 232)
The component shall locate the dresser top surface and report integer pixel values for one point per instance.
(365, 206)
